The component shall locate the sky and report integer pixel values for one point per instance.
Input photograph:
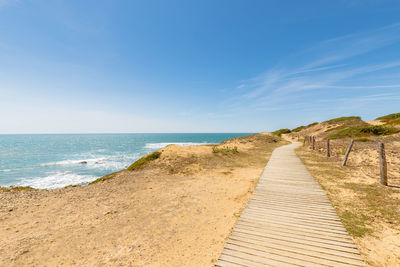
(195, 66)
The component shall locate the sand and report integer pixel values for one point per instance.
(177, 211)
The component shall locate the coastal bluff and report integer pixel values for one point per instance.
(174, 210)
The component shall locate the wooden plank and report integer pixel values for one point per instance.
(296, 254)
(288, 244)
(299, 221)
(299, 236)
(270, 255)
(293, 249)
(222, 263)
(253, 260)
(297, 231)
(268, 209)
(289, 224)
(296, 239)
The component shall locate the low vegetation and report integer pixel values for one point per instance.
(140, 163)
(312, 124)
(390, 117)
(342, 119)
(137, 165)
(370, 130)
(17, 188)
(225, 150)
(104, 178)
(298, 129)
(282, 131)
(363, 139)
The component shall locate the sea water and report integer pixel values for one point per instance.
(58, 160)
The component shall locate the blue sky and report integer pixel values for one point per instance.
(195, 66)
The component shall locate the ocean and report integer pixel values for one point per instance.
(57, 160)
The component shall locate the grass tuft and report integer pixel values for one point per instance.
(355, 223)
(225, 150)
(105, 178)
(140, 163)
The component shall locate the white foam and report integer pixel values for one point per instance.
(74, 162)
(105, 162)
(5, 170)
(161, 145)
(57, 180)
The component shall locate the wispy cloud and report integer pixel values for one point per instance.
(345, 66)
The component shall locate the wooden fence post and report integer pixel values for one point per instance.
(383, 163)
(347, 153)
(328, 148)
(313, 143)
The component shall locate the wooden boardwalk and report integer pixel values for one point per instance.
(289, 221)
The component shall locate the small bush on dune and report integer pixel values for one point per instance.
(282, 131)
(391, 119)
(225, 150)
(341, 119)
(393, 116)
(370, 130)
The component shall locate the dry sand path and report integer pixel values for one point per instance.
(289, 221)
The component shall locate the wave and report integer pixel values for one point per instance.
(57, 180)
(110, 163)
(6, 170)
(74, 162)
(161, 145)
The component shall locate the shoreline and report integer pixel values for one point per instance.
(175, 209)
(80, 159)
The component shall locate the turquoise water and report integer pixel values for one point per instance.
(52, 161)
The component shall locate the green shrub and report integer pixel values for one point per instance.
(362, 139)
(142, 161)
(225, 150)
(298, 129)
(389, 117)
(106, 177)
(340, 119)
(282, 131)
(363, 131)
